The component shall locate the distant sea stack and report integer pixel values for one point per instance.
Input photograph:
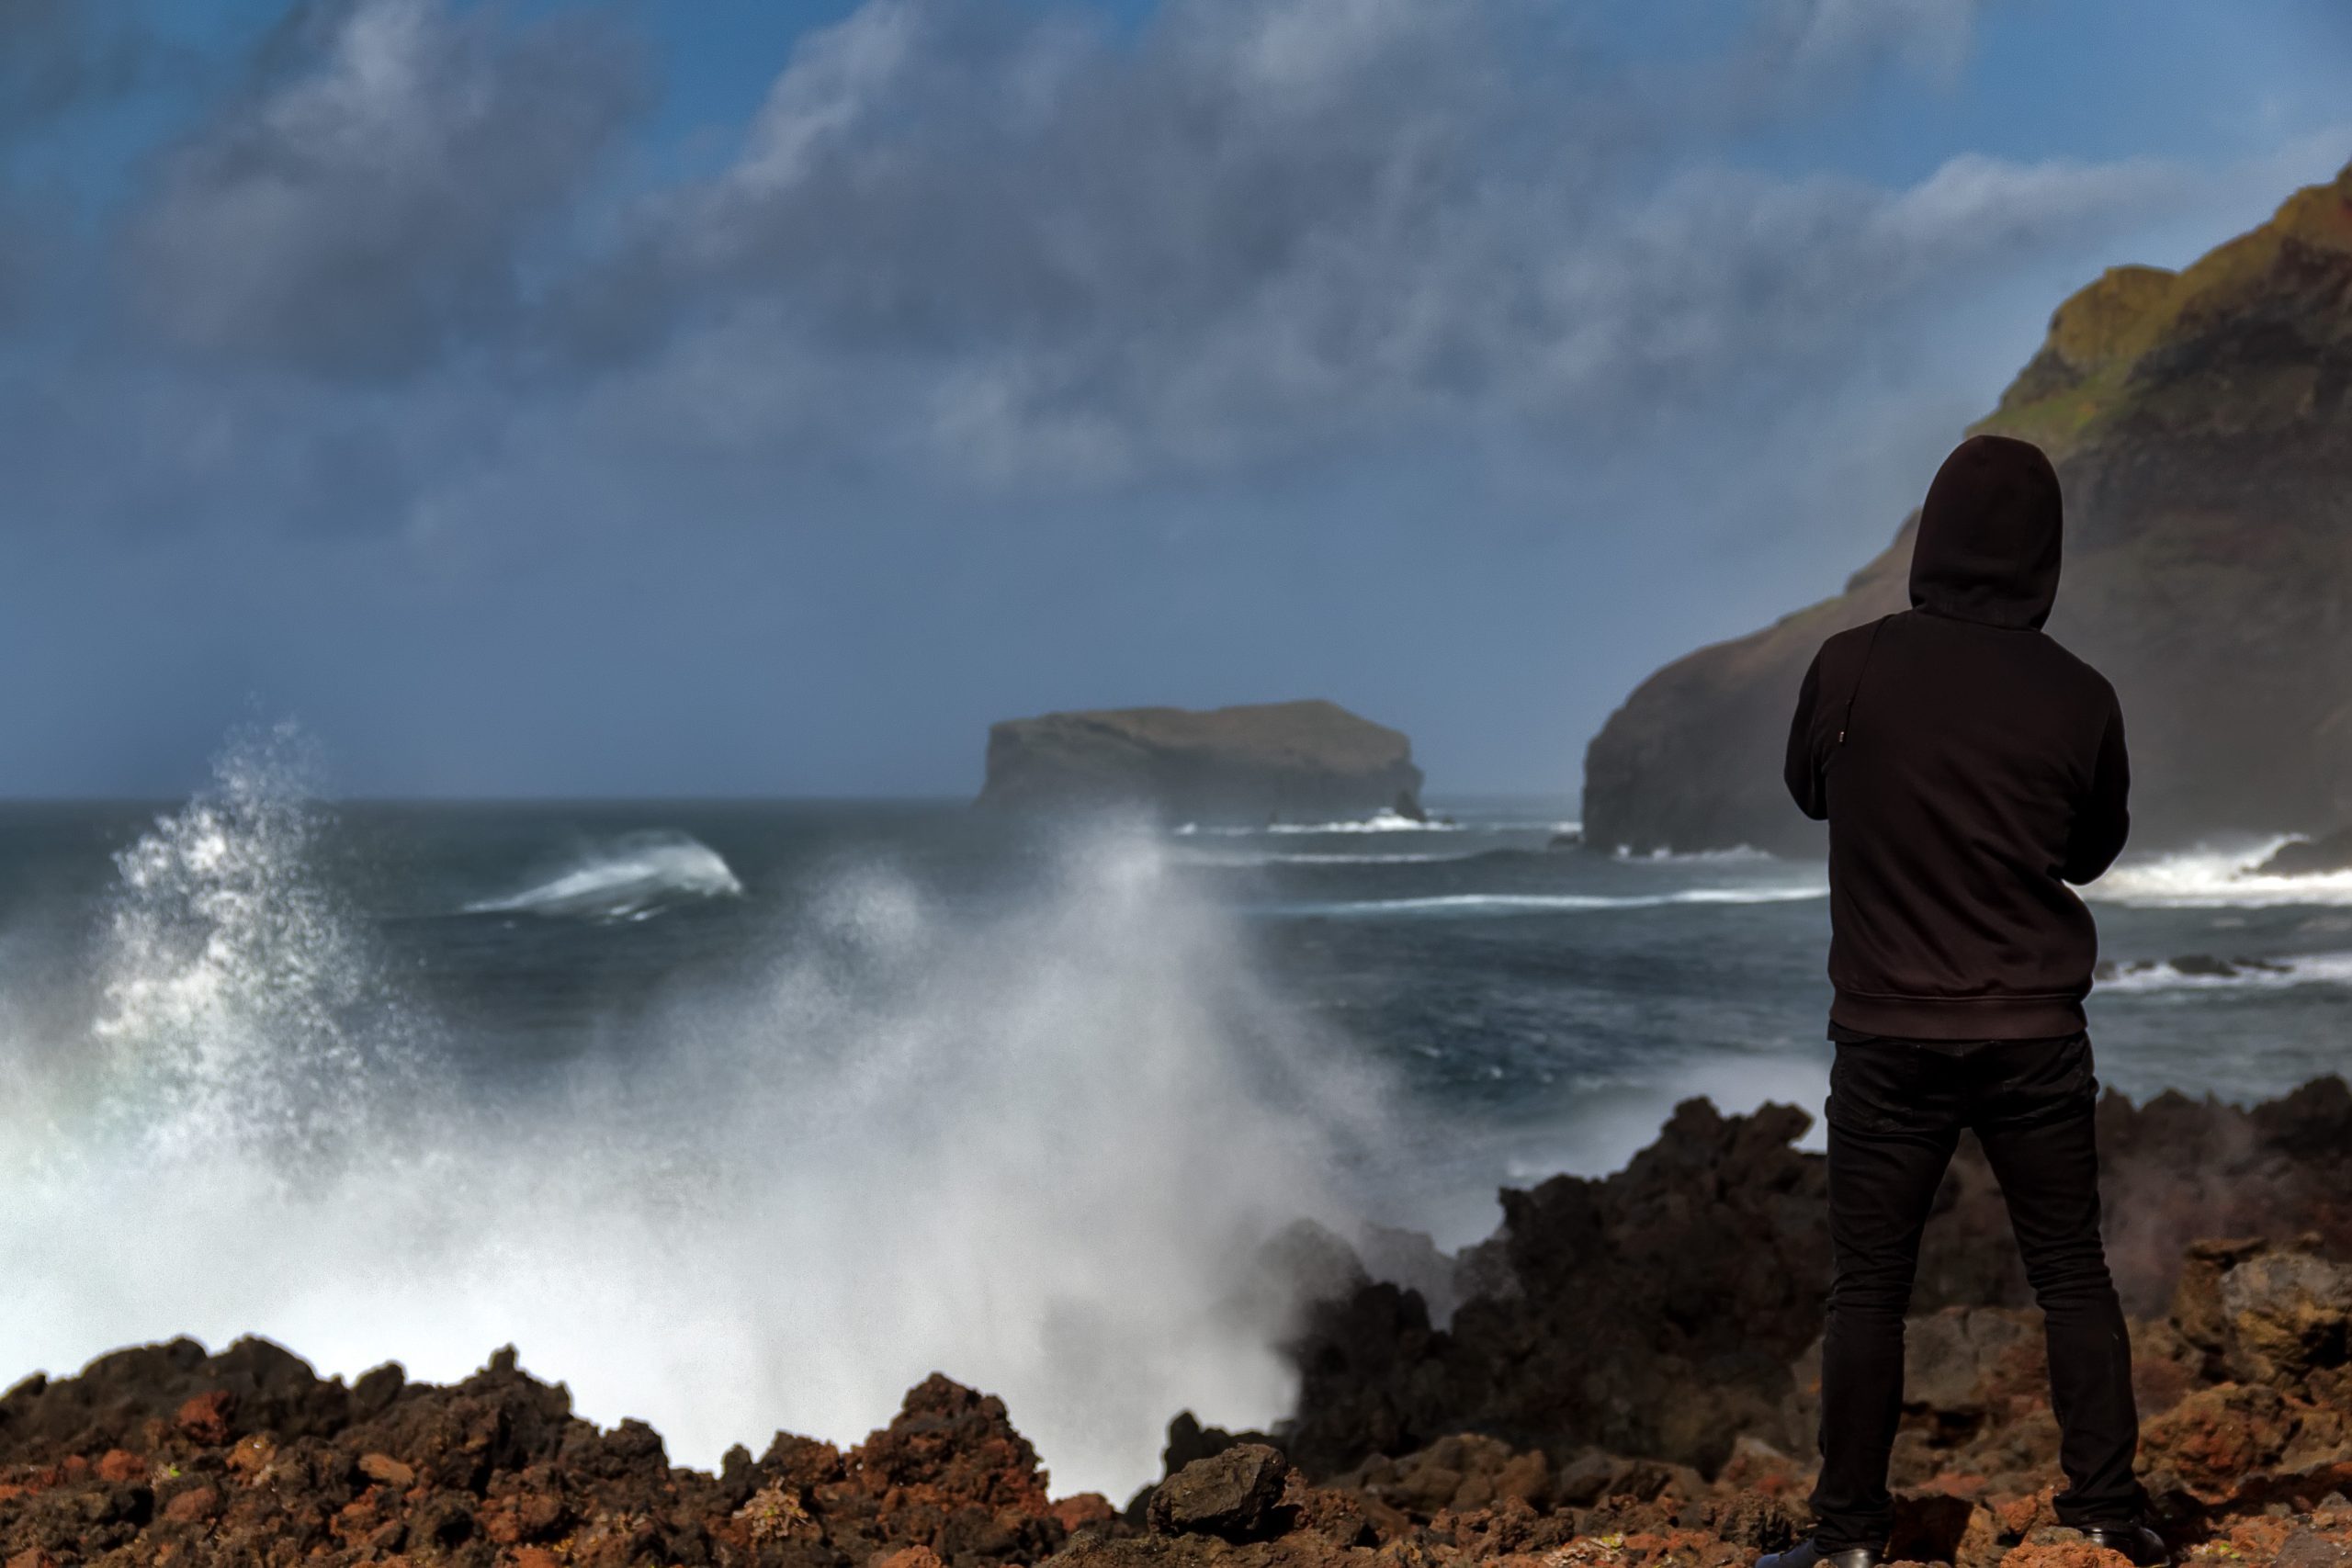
(1302, 761)
(2201, 424)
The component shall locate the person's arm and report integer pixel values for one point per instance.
(2104, 820)
(1803, 768)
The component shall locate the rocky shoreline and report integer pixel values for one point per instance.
(1627, 1380)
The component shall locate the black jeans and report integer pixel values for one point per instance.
(1895, 1111)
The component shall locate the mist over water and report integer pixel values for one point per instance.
(1038, 1148)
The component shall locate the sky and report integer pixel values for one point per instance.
(759, 397)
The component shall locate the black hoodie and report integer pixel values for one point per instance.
(1969, 768)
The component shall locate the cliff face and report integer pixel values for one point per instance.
(2201, 424)
(1302, 761)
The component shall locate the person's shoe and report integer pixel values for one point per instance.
(2141, 1544)
(1804, 1554)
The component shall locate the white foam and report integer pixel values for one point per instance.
(2221, 877)
(1275, 857)
(1548, 903)
(1379, 822)
(2277, 974)
(1739, 854)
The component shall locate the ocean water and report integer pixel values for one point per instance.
(746, 1116)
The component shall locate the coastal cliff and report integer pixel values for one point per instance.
(2201, 425)
(1300, 762)
(1630, 1378)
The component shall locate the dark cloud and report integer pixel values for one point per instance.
(978, 240)
(368, 201)
(58, 54)
(55, 56)
(1024, 249)
(970, 240)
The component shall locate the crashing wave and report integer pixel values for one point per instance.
(2222, 878)
(1082, 1096)
(2197, 973)
(629, 878)
(241, 1002)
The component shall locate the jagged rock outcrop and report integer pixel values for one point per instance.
(1656, 1311)
(2201, 424)
(1302, 761)
(164, 1454)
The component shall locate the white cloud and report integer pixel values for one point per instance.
(1937, 35)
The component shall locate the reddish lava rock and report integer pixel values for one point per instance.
(204, 1418)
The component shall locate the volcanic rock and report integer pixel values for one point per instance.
(1660, 1311)
(2310, 857)
(2201, 425)
(1301, 762)
(1236, 1495)
(492, 1469)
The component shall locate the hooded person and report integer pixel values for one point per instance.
(1970, 769)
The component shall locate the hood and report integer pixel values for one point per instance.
(1987, 547)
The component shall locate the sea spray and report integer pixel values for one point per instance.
(1038, 1148)
(240, 1002)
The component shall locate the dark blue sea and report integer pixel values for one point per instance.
(736, 1116)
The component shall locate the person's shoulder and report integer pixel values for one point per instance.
(1848, 644)
(1851, 636)
(2079, 672)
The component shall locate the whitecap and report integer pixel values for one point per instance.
(2264, 974)
(1378, 822)
(2217, 878)
(629, 878)
(1552, 903)
(1737, 854)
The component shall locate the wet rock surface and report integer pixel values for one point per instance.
(1629, 1378)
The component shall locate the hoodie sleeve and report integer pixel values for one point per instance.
(1803, 767)
(2103, 819)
